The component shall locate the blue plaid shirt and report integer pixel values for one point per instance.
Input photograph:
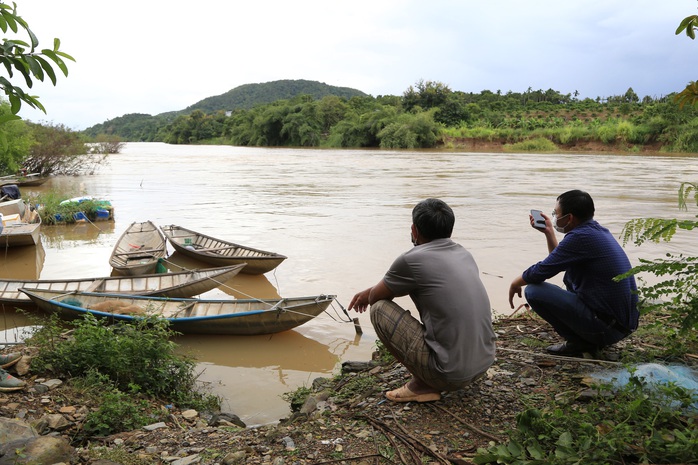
(590, 257)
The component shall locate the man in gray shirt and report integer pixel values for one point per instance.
(454, 343)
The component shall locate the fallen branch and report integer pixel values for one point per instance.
(468, 425)
(407, 440)
(560, 357)
(358, 457)
(652, 346)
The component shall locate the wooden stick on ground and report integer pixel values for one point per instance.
(468, 425)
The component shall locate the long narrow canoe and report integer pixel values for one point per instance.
(179, 284)
(218, 252)
(27, 180)
(243, 317)
(138, 249)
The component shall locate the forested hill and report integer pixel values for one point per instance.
(426, 115)
(143, 127)
(250, 95)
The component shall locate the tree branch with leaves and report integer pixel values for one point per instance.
(677, 292)
(23, 57)
(688, 96)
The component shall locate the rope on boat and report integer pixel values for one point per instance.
(92, 223)
(355, 321)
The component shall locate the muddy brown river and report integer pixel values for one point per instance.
(340, 216)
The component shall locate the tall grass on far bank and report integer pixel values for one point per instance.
(539, 144)
(613, 132)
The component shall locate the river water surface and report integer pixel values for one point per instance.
(341, 217)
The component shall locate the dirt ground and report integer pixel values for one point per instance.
(348, 420)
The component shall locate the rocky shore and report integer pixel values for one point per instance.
(344, 420)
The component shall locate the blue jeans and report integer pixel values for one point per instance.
(569, 316)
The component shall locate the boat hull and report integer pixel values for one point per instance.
(174, 285)
(21, 224)
(218, 252)
(242, 317)
(138, 249)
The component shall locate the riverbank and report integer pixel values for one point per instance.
(464, 144)
(347, 420)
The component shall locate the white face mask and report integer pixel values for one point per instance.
(554, 219)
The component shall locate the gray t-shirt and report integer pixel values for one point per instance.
(443, 281)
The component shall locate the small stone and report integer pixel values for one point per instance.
(234, 457)
(187, 460)
(52, 383)
(155, 426)
(68, 410)
(288, 443)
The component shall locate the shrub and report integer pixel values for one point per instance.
(532, 145)
(133, 357)
(637, 425)
(53, 208)
(677, 291)
(117, 412)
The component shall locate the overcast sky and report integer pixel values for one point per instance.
(153, 56)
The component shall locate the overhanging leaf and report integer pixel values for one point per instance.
(10, 18)
(47, 68)
(35, 67)
(56, 59)
(15, 103)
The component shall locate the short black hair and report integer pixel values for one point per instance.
(578, 203)
(433, 219)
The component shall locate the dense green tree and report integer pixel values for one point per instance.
(331, 110)
(425, 95)
(18, 140)
(410, 131)
(303, 125)
(134, 127)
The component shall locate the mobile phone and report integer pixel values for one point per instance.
(538, 220)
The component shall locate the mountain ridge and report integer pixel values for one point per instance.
(245, 96)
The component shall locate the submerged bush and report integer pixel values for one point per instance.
(54, 208)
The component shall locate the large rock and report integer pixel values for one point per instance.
(13, 430)
(43, 449)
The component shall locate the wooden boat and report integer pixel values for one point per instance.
(243, 317)
(219, 252)
(138, 249)
(179, 284)
(24, 180)
(20, 224)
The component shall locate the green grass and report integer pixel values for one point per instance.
(53, 211)
(537, 145)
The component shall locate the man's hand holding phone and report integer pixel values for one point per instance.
(537, 219)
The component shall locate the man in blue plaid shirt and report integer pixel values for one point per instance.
(594, 310)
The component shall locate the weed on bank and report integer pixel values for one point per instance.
(129, 369)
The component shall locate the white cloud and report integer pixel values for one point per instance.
(153, 56)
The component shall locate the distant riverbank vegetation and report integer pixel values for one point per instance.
(50, 149)
(430, 115)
